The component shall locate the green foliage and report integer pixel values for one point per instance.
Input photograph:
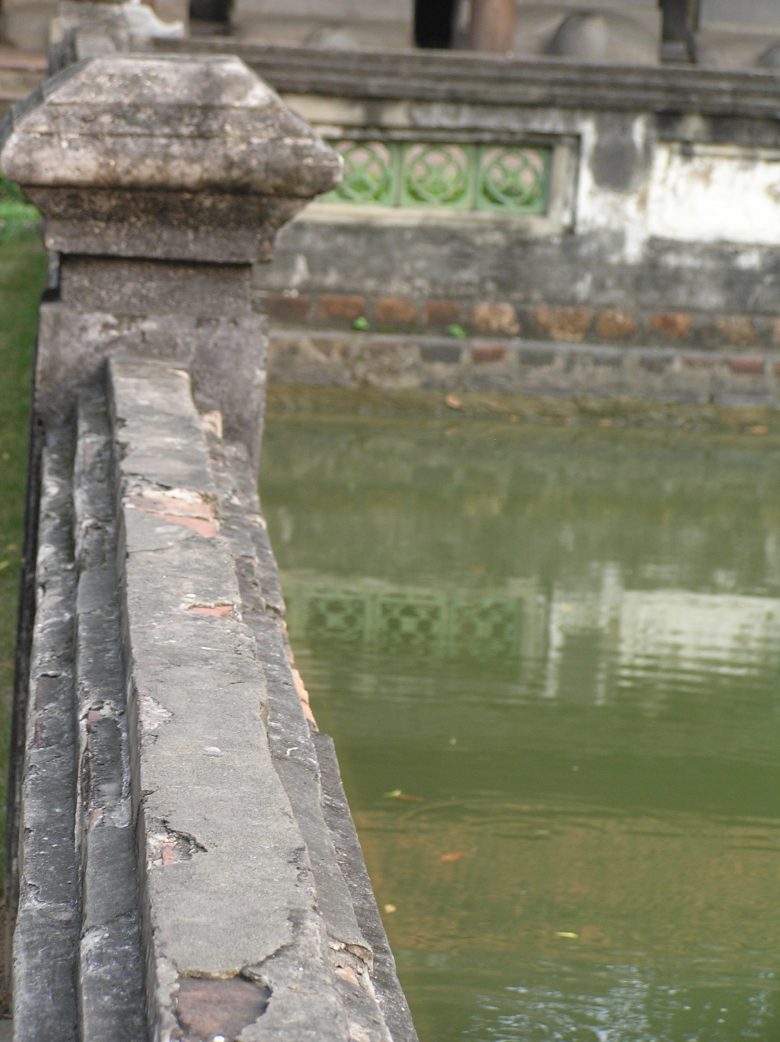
(18, 219)
(361, 322)
(22, 276)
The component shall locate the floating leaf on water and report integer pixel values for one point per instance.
(389, 909)
(757, 428)
(399, 794)
(457, 855)
(567, 935)
(453, 402)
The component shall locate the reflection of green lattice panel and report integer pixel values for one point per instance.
(513, 180)
(336, 618)
(444, 176)
(486, 628)
(411, 624)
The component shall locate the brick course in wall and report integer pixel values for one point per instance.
(506, 320)
(514, 365)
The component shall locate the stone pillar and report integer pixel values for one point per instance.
(162, 181)
(492, 25)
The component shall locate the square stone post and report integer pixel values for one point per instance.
(161, 182)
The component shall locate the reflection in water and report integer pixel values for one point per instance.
(566, 647)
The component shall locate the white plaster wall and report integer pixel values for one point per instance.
(601, 209)
(715, 193)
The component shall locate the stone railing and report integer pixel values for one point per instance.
(181, 860)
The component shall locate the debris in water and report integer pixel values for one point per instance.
(399, 794)
(457, 855)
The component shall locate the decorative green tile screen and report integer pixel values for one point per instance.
(444, 176)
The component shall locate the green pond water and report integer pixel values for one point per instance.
(561, 648)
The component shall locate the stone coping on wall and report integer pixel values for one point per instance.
(460, 77)
(188, 866)
(510, 365)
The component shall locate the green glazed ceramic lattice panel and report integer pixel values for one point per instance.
(513, 180)
(444, 176)
(434, 175)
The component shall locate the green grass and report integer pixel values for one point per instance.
(22, 276)
(17, 217)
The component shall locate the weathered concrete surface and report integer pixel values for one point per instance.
(230, 803)
(111, 985)
(47, 917)
(360, 956)
(205, 783)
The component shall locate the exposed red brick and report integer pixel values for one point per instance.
(563, 323)
(441, 313)
(341, 308)
(747, 365)
(154, 502)
(735, 329)
(217, 611)
(384, 349)
(488, 353)
(450, 354)
(303, 696)
(494, 318)
(674, 325)
(395, 311)
(205, 528)
(655, 363)
(194, 513)
(701, 361)
(329, 347)
(284, 307)
(616, 324)
(207, 1007)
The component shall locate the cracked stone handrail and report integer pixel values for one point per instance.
(181, 859)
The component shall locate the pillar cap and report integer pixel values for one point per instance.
(164, 157)
(173, 123)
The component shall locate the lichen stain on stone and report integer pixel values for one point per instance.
(209, 1009)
